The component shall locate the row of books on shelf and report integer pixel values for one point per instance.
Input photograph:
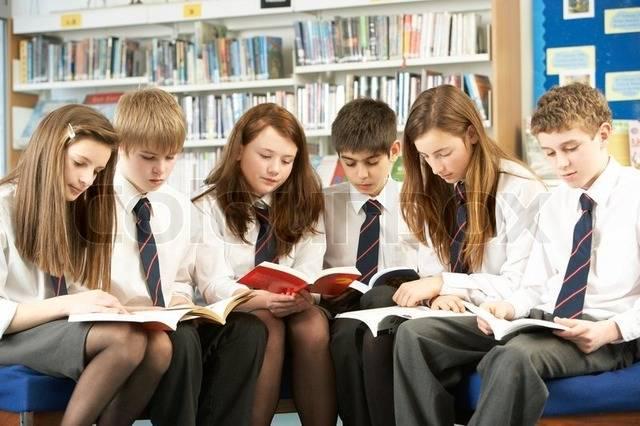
(213, 117)
(47, 58)
(218, 60)
(380, 37)
(318, 103)
(192, 168)
(164, 61)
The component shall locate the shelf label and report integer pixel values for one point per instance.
(192, 10)
(71, 20)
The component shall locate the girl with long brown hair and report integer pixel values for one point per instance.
(56, 228)
(468, 198)
(264, 202)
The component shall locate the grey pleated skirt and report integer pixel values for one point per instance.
(55, 348)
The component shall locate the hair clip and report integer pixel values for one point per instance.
(70, 131)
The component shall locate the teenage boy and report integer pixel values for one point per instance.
(156, 229)
(365, 228)
(583, 272)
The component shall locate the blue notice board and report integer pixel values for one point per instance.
(612, 36)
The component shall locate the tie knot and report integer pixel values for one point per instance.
(461, 195)
(586, 202)
(372, 208)
(142, 209)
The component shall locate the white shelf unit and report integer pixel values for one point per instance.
(244, 18)
(207, 143)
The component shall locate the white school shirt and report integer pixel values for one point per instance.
(613, 284)
(20, 281)
(173, 223)
(344, 215)
(221, 258)
(518, 199)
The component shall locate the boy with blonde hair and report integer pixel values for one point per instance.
(156, 229)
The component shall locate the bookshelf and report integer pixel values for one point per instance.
(243, 18)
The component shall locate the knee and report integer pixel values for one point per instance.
(508, 360)
(129, 343)
(159, 352)
(310, 330)
(275, 330)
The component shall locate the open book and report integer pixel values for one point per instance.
(283, 279)
(502, 328)
(380, 319)
(168, 318)
(389, 276)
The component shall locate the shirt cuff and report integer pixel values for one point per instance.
(8, 311)
(317, 297)
(520, 304)
(455, 284)
(628, 324)
(183, 289)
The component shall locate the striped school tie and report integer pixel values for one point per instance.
(59, 285)
(570, 301)
(266, 242)
(369, 241)
(458, 241)
(148, 251)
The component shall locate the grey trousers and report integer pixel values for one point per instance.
(432, 355)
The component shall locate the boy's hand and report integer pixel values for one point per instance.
(499, 309)
(180, 300)
(448, 303)
(412, 293)
(588, 336)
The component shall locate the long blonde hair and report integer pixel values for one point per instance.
(427, 199)
(297, 203)
(75, 238)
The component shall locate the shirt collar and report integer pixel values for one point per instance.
(602, 187)
(388, 197)
(127, 194)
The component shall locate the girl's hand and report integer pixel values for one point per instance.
(90, 302)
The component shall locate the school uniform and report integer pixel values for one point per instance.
(345, 216)
(173, 224)
(55, 348)
(238, 257)
(589, 239)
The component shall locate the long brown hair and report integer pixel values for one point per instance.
(427, 199)
(60, 237)
(296, 205)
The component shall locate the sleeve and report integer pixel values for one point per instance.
(540, 278)
(7, 307)
(428, 262)
(183, 285)
(208, 267)
(517, 211)
(629, 322)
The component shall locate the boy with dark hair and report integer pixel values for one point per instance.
(364, 227)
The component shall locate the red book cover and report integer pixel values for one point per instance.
(285, 280)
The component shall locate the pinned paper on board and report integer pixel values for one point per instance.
(569, 59)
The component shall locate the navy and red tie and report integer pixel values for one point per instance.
(148, 251)
(266, 243)
(369, 241)
(457, 242)
(570, 301)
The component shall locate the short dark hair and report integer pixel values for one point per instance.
(364, 125)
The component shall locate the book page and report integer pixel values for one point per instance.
(379, 319)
